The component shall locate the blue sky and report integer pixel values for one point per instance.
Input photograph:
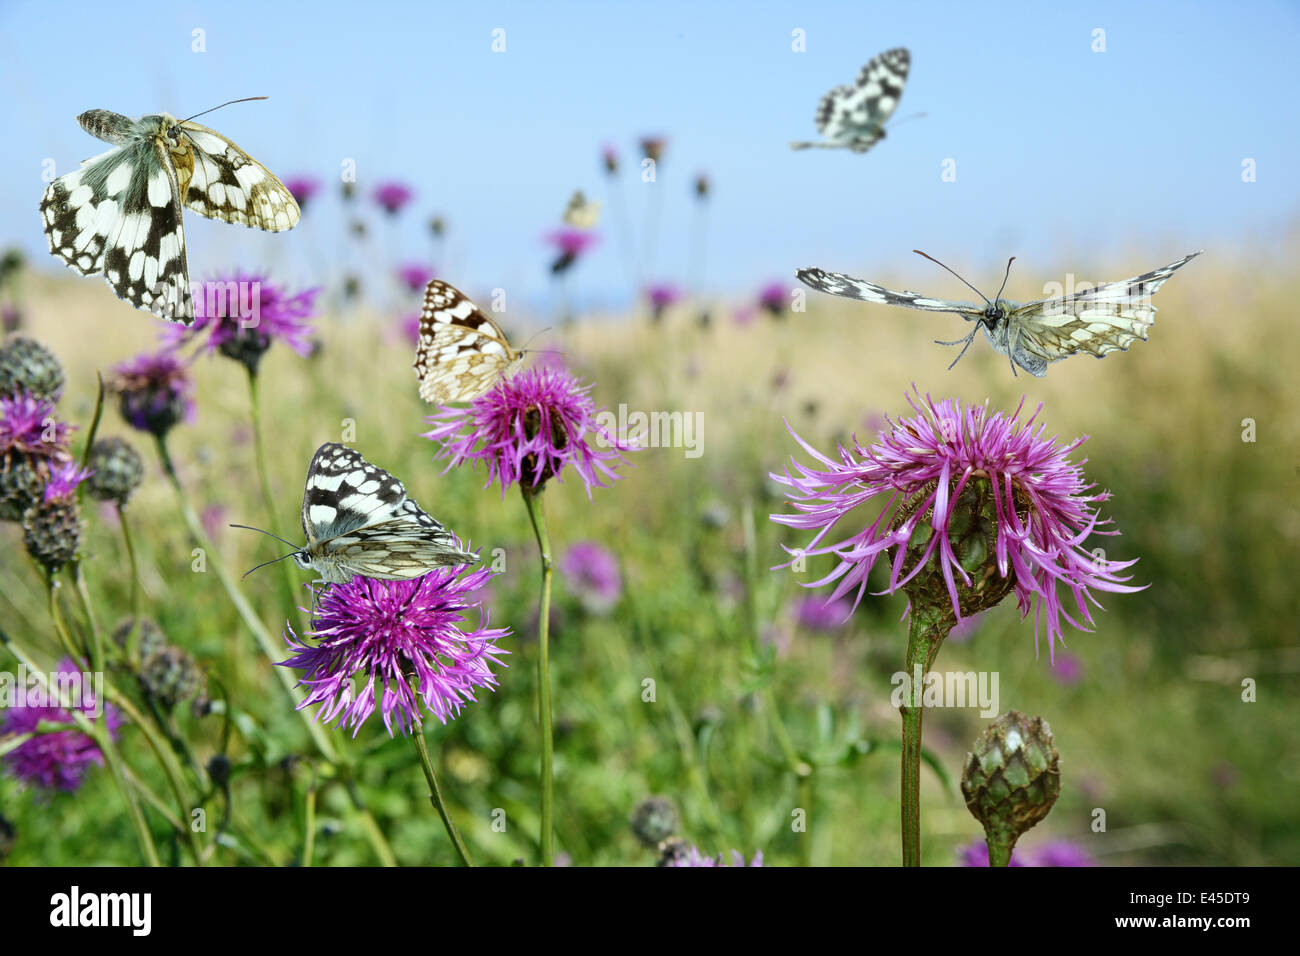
(1067, 158)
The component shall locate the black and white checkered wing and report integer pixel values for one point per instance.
(461, 352)
(358, 520)
(230, 185)
(119, 215)
(854, 116)
(837, 283)
(1098, 321)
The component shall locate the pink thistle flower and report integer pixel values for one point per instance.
(243, 315)
(410, 327)
(63, 482)
(415, 276)
(661, 295)
(1067, 669)
(691, 856)
(57, 760)
(28, 427)
(155, 392)
(775, 298)
(917, 471)
(387, 632)
(393, 197)
(591, 573)
(572, 244)
(528, 428)
(302, 188)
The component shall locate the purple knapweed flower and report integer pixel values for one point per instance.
(28, 427)
(661, 295)
(691, 856)
(775, 298)
(1067, 669)
(591, 573)
(155, 392)
(57, 760)
(302, 188)
(383, 634)
(63, 482)
(815, 613)
(393, 196)
(527, 428)
(415, 276)
(1059, 853)
(917, 470)
(243, 315)
(571, 243)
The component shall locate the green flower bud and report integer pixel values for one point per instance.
(28, 366)
(654, 820)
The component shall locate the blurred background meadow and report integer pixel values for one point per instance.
(1086, 164)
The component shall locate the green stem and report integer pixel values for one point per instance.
(87, 608)
(533, 504)
(923, 640)
(268, 496)
(1000, 853)
(131, 637)
(435, 797)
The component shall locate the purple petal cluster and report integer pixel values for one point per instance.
(1045, 509)
(28, 426)
(248, 307)
(815, 613)
(691, 856)
(155, 391)
(591, 573)
(382, 634)
(57, 760)
(303, 188)
(64, 480)
(393, 196)
(414, 276)
(528, 428)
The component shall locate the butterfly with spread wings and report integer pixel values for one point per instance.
(461, 352)
(1096, 321)
(853, 117)
(120, 213)
(358, 520)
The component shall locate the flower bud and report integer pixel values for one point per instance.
(1011, 779)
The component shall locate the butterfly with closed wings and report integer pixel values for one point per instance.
(853, 117)
(358, 520)
(120, 213)
(461, 352)
(1096, 320)
(581, 212)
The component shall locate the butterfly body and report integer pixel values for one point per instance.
(120, 213)
(1096, 320)
(461, 352)
(357, 520)
(853, 117)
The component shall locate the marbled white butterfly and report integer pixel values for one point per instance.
(853, 117)
(581, 212)
(461, 353)
(358, 520)
(1097, 320)
(120, 213)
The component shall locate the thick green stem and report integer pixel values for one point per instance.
(132, 637)
(534, 505)
(435, 797)
(923, 640)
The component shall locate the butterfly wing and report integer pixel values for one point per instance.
(853, 116)
(1098, 321)
(120, 215)
(230, 185)
(358, 520)
(462, 352)
(837, 283)
(582, 213)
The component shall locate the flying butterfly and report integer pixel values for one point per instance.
(853, 117)
(358, 520)
(120, 213)
(1098, 320)
(461, 352)
(582, 213)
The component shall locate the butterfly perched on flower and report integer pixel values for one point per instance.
(358, 520)
(461, 352)
(581, 212)
(853, 117)
(1097, 321)
(120, 213)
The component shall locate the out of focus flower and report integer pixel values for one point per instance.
(393, 197)
(303, 188)
(682, 855)
(661, 295)
(438, 226)
(994, 502)
(386, 634)
(116, 470)
(155, 392)
(652, 147)
(415, 276)
(410, 328)
(702, 186)
(11, 318)
(976, 853)
(527, 428)
(591, 573)
(815, 613)
(654, 820)
(572, 244)
(32, 443)
(775, 298)
(965, 629)
(609, 156)
(27, 366)
(57, 760)
(1060, 853)
(1067, 668)
(244, 315)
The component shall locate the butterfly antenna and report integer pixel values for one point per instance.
(268, 534)
(265, 563)
(968, 285)
(246, 99)
(906, 118)
(1005, 278)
